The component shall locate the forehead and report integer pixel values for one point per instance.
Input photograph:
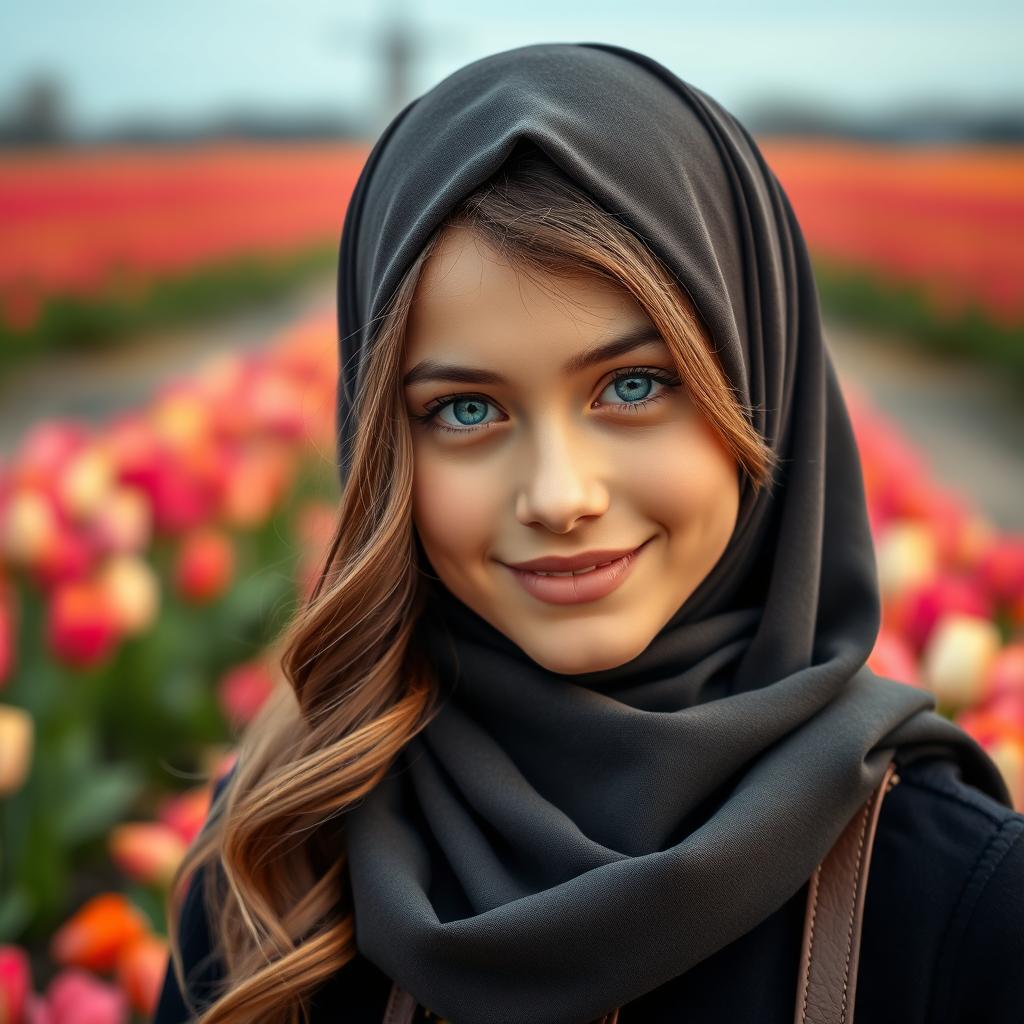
(471, 300)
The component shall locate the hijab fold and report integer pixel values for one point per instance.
(552, 846)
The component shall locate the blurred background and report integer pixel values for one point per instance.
(173, 181)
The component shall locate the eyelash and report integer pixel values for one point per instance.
(429, 419)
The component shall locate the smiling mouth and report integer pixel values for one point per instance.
(579, 586)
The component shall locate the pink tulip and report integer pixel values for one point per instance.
(15, 983)
(178, 500)
(45, 450)
(140, 972)
(1002, 569)
(243, 690)
(278, 405)
(82, 624)
(76, 997)
(204, 566)
(71, 556)
(124, 523)
(147, 852)
(922, 606)
(186, 812)
(1006, 674)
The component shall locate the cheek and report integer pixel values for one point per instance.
(453, 508)
(689, 481)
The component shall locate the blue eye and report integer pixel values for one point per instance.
(633, 385)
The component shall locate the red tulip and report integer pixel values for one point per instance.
(97, 933)
(1006, 674)
(1002, 568)
(71, 556)
(923, 605)
(15, 983)
(186, 812)
(8, 631)
(146, 851)
(82, 627)
(243, 690)
(204, 566)
(893, 659)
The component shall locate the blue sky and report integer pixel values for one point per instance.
(183, 59)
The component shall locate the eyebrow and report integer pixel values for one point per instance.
(430, 369)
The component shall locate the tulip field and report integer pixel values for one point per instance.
(97, 243)
(147, 565)
(924, 240)
(149, 562)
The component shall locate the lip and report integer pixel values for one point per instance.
(590, 586)
(567, 563)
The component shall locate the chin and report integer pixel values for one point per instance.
(588, 660)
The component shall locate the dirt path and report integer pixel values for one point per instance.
(95, 385)
(968, 421)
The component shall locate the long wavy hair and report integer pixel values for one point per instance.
(357, 687)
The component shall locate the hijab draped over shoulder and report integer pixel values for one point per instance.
(551, 846)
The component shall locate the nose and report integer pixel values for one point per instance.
(563, 480)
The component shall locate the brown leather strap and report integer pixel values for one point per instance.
(401, 1006)
(835, 909)
(831, 944)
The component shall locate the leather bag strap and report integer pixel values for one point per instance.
(835, 910)
(832, 927)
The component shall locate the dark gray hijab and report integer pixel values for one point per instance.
(552, 846)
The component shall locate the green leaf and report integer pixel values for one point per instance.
(15, 913)
(100, 802)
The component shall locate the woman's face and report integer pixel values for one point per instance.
(541, 446)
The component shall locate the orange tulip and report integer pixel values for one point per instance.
(147, 851)
(97, 933)
(140, 972)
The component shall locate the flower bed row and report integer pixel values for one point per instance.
(96, 242)
(146, 567)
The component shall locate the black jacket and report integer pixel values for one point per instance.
(942, 943)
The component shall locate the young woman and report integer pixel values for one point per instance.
(580, 334)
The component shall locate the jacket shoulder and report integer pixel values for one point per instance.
(943, 915)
